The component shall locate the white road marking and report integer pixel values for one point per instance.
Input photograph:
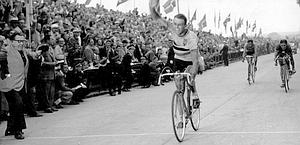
(155, 134)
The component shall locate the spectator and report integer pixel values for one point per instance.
(14, 86)
(224, 52)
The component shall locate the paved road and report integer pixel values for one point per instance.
(233, 113)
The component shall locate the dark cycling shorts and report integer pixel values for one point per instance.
(249, 53)
(180, 65)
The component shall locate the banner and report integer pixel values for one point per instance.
(121, 1)
(169, 6)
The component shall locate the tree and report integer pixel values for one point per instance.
(298, 1)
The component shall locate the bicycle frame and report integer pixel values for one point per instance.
(251, 71)
(284, 72)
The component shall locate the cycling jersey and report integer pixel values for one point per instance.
(183, 45)
(250, 49)
(281, 52)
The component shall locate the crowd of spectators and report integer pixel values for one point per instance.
(65, 40)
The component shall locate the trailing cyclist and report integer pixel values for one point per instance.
(250, 49)
(285, 49)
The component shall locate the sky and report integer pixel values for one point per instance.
(270, 15)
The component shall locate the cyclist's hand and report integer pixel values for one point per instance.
(276, 64)
(243, 60)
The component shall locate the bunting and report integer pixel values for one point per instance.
(169, 6)
(121, 1)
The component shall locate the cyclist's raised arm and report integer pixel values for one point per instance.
(156, 16)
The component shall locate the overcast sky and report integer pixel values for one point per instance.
(270, 15)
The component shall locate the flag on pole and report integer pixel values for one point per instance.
(194, 16)
(169, 6)
(202, 24)
(247, 26)
(226, 21)
(121, 1)
(87, 2)
(215, 20)
(231, 31)
(254, 26)
(260, 32)
(219, 20)
(239, 24)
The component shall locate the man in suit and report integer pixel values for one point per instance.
(46, 85)
(224, 52)
(14, 87)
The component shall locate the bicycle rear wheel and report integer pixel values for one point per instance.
(178, 115)
(195, 113)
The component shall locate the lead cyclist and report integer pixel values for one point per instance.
(185, 45)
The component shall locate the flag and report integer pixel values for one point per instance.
(202, 24)
(247, 26)
(215, 20)
(169, 6)
(194, 16)
(121, 1)
(226, 21)
(87, 2)
(239, 24)
(260, 32)
(231, 31)
(219, 20)
(254, 26)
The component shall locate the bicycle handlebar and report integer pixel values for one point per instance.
(249, 56)
(174, 74)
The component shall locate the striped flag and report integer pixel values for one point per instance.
(87, 2)
(121, 1)
(169, 6)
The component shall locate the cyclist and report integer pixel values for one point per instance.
(184, 45)
(250, 49)
(285, 49)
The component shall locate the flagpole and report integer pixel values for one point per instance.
(178, 6)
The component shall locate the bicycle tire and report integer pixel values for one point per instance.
(285, 81)
(253, 73)
(249, 74)
(179, 134)
(194, 113)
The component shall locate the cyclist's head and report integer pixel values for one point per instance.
(283, 43)
(180, 23)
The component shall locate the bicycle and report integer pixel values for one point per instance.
(183, 110)
(251, 69)
(284, 71)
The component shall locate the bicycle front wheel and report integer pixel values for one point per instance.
(253, 73)
(286, 81)
(178, 116)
